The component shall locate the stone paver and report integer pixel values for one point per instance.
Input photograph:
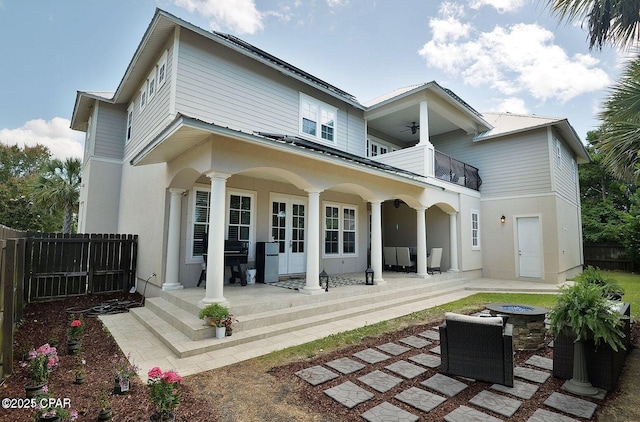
(435, 350)
(520, 389)
(426, 360)
(380, 381)
(571, 405)
(431, 334)
(467, 414)
(406, 369)
(371, 356)
(540, 362)
(503, 405)
(393, 349)
(316, 375)
(444, 384)
(345, 365)
(348, 394)
(386, 412)
(420, 399)
(542, 415)
(530, 374)
(416, 342)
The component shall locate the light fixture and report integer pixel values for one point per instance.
(324, 277)
(503, 219)
(368, 276)
(396, 203)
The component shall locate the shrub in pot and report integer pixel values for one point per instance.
(215, 314)
(610, 287)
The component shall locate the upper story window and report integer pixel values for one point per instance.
(129, 121)
(376, 148)
(151, 83)
(557, 150)
(317, 119)
(475, 229)
(162, 70)
(143, 97)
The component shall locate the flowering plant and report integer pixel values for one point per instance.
(123, 368)
(164, 391)
(41, 362)
(76, 328)
(49, 407)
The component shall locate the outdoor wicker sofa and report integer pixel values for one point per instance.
(477, 347)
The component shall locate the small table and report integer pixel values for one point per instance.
(528, 324)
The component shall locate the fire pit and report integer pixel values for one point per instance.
(528, 324)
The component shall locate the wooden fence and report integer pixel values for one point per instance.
(607, 257)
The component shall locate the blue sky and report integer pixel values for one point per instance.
(497, 55)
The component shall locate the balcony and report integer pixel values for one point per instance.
(454, 171)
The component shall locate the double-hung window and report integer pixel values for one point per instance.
(475, 229)
(143, 97)
(317, 119)
(129, 121)
(340, 230)
(240, 221)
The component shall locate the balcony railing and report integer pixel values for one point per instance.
(454, 171)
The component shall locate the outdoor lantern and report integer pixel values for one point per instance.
(368, 276)
(502, 219)
(324, 277)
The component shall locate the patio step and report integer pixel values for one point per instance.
(186, 335)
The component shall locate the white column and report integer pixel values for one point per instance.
(376, 242)
(313, 244)
(453, 242)
(215, 251)
(422, 242)
(424, 123)
(172, 267)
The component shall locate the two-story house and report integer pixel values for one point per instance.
(208, 138)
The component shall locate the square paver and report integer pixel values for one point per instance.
(530, 374)
(386, 412)
(431, 334)
(393, 349)
(427, 360)
(420, 399)
(371, 356)
(503, 405)
(316, 375)
(467, 414)
(345, 365)
(520, 389)
(572, 405)
(416, 342)
(348, 394)
(380, 381)
(406, 369)
(444, 384)
(542, 415)
(540, 362)
(435, 350)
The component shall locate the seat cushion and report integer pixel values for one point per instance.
(450, 316)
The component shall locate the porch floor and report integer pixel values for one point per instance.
(167, 333)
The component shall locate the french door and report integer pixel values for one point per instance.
(288, 222)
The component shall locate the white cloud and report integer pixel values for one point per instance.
(511, 105)
(240, 16)
(55, 134)
(520, 58)
(502, 6)
(337, 3)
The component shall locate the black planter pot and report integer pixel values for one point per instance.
(105, 414)
(120, 387)
(33, 390)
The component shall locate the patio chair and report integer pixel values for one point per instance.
(404, 258)
(477, 347)
(433, 261)
(390, 259)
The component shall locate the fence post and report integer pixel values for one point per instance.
(8, 292)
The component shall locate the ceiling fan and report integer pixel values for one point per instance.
(414, 128)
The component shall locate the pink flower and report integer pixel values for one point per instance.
(155, 372)
(76, 323)
(45, 389)
(172, 376)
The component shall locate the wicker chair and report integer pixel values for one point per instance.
(477, 347)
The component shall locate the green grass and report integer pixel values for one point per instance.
(631, 284)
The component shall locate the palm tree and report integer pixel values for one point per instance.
(613, 21)
(58, 186)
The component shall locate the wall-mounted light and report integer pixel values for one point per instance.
(503, 219)
(396, 203)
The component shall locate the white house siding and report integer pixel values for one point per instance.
(110, 131)
(99, 205)
(410, 159)
(217, 85)
(566, 185)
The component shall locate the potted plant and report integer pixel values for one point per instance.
(40, 362)
(165, 390)
(104, 402)
(74, 334)
(215, 314)
(124, 370)
(79, 370)
(50, 409)
(610, 287)
(584, 311)
(228, 324)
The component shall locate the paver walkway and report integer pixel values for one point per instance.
(412, 364)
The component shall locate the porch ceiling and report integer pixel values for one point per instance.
(396, 125)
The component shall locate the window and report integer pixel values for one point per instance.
(240, 207)
(162, 70)
(557, 152)
(317, 120)
(475, 229)
(340, 230)
(375, 148)
(143, 97)
(574, 170)
(152, 85)
(129, 121)
(202, 198)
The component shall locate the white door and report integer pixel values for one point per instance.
(529, 250)
(288, 221)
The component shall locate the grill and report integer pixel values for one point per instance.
(235, 254)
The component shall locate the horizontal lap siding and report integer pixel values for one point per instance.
(517, 165)
(566, 186)
(110, 131)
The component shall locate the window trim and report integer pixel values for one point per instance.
(475, 231)
(143, 97)
(191, 258)
(130, 117)
(320, 107)
(252, 218)
(161, 63)
(341, 230)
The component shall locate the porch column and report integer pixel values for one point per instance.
(313, 244)
(429, 150)
(422, 242)
(453, 242)
(172, 268)
(215, 251)
(376, 242)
